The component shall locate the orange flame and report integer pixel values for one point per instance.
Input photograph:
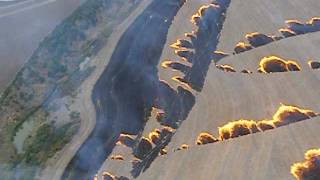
(220, 53)
(181, 81)
(107, 175)
(246, 71)
(265, 125)
(241, 47)
(163, 151)
(287, 32)
(181, 43)
(183, 147)
(168, 128)
(237, 128)
(125, 139)
(196, 17)
(117, 157)
(271, 64)
(310, 168)
(190, 35)
(226, 68)
(314, 20)
(293, 21)
(205, 138)
(155, 135)
(285, 115)
(256, 34)
(166, 63)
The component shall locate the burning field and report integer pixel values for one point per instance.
(285, 115)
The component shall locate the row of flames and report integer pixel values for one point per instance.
(273, 64)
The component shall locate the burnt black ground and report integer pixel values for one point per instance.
(127, 87)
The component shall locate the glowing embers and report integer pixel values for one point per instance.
(271, 64)
(285, 115)
(126, 140)
(310, 168)
(200, 15)
(181, 43)
(225, 68)
(206, 138)
(314, 64)
(117, 157)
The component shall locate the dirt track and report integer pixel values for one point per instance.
(56, 170)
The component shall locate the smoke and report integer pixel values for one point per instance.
(310, 168)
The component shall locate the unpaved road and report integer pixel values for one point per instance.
(125, 88)
(88, 114)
